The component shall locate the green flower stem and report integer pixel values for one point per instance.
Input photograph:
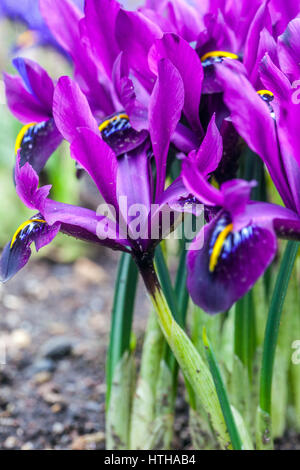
(198, 320)
(222, 394)
(120, 367)
(244, 351)
(177, 303)
(264, 435)
(122, 314)
(189, 360)
(154, 399)
(181, 289)
(244, 334)
(282, 378)
(168, 375)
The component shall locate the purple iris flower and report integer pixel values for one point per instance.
(262, 120)
(239, 242)
(224, 270)
(219, 29)
(103, 73)
(288, 49)
(225, 29)
(282, 12)
(134, 60)
(248, 42)
(117, 171)
(66, 23)
(243, 32)
(30, 99)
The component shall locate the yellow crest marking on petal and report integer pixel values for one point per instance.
(228, 55)
(27, 39)
(21, 134)
(218, 247)
(106, 123)
(22, 226)
(265, 92)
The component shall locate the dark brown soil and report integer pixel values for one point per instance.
(54, 321)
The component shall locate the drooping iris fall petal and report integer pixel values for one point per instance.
(228, 263)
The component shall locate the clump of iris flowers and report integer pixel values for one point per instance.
(188, 108)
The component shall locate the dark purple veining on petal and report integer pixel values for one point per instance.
(118, 133)
(244, 256)
(17, 252)
(38, 144)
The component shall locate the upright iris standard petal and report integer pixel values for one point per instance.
(99, 22)
(22, 104)
(209, 154)
(30, 98)
(228, 263)
(282, 12)
(17, 252)
(217, 35)
(134, 101)
(71, 109)
(186, 60)
(64, 22)
(289, 50)
(165, 108)
(260, 21)
(188, 18)
(36, 80)
(140, 34)
(274, 79)
(256, 127)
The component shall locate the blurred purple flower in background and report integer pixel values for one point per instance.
(28, 12)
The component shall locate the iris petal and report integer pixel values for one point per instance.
(117, 132)
(17, 252)
(37, 142)
(243, 256)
